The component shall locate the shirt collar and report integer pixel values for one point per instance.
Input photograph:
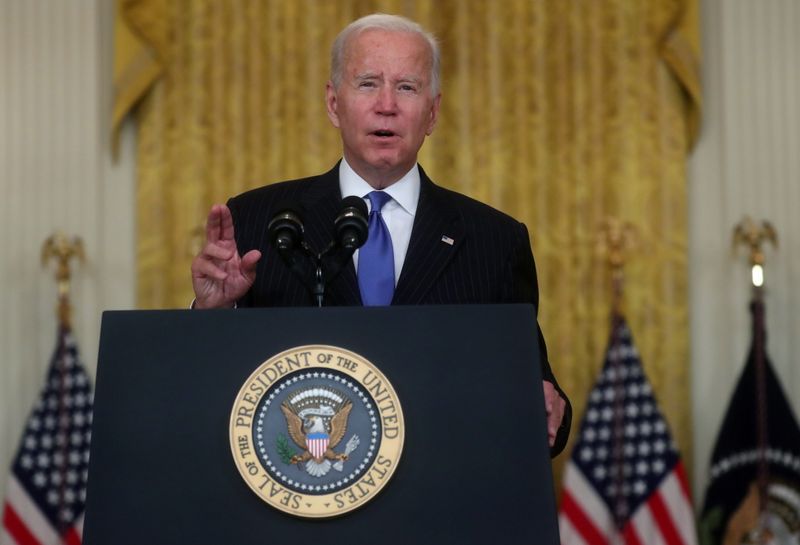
(404, 191)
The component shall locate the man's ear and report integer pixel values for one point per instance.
(331, 104)
(434, 114)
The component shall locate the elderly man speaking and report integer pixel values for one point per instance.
(426, 245)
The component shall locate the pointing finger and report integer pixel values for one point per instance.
(226, 223)
(219, 225)
(213, 224)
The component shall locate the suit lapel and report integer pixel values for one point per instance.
(321, 203)
(435, 238)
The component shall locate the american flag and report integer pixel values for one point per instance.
(625, 482)
(47, 487)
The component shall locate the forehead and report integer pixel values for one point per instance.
(382, 50)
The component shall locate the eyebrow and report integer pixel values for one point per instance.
(366, 75)
(401, 79)
(411, 79)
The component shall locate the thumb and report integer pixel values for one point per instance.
(249, 262)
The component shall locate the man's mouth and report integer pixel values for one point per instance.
(384, 133)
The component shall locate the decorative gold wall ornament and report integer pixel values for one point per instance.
(752, 235)
(616, 240)
(61, 248)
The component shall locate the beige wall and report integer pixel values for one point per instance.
(56, 173)
(747, 162)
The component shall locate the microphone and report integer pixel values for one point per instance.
(351, 224)
(285, 229)
(286, 233)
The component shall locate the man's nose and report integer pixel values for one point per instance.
(386, 101)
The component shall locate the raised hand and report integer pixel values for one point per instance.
(220, 275)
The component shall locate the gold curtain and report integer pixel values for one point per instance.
(559, 112)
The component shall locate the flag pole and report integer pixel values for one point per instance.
(62, 249)
(752, 235)
(617, 240)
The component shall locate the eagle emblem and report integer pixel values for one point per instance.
(316, 419)
(313, 441)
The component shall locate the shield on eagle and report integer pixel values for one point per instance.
(317, 444)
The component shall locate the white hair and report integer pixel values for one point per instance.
(390, 23)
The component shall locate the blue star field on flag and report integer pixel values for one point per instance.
(624, 449)
(52, 461)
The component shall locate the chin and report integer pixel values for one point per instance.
(383, 164)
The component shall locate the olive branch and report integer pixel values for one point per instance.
(284, 450)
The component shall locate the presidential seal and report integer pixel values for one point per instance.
(316, 431)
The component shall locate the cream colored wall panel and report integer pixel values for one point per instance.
(56, 173)
(747, 163)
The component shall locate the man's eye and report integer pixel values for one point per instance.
(366, 84)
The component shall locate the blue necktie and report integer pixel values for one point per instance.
(376, 257)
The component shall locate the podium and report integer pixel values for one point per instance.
(475, 464)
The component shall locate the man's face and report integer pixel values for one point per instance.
(383, 106)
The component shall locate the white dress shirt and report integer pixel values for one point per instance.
(398, 213)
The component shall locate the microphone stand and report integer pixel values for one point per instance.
(321, 279)
(351, 231)
(318, 289)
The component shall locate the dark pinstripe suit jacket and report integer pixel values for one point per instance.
(489, 261)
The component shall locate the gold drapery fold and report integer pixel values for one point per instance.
(136, 68)
(561, 113)
(681, 52)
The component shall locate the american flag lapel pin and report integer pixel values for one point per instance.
(447, 240)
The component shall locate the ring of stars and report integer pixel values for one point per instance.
(342, 482)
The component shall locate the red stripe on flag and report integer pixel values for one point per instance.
(580, 521)
(630, 536)
(71, 537)
(16, 527)
(680, 472)
(664, 520)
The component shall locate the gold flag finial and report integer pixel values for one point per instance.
(749, 233)
(616, 240)
(63, 249)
